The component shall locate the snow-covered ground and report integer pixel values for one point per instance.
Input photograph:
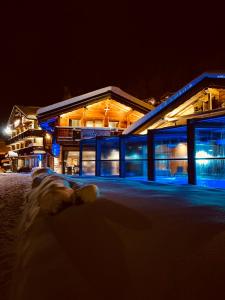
(138, 241)
(12, 190)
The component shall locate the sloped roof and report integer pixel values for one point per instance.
(87, 98)
(173, 100)
(29, 112)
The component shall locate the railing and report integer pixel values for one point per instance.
(23, 135)
(73, 134)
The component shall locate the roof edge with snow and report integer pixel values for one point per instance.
(82, 99)
(146, 118)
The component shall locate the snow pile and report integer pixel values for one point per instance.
(51, 193)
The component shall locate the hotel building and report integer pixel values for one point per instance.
(26, 142)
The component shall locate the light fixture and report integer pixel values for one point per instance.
(7, 130)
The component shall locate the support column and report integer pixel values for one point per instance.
(151, 155)
(191, 152)
(98, 156)
(80, 159)
(122, 156)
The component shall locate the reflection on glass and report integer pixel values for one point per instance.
(71, 162)
(109, 168)
(88, 168)
(110, 149)
(171, 171)
(136, 168)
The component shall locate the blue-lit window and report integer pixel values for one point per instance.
(88, 157)
(109, 156)
(170, 146)
(210, 155)
(136, 156)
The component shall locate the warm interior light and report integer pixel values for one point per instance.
(7, 130)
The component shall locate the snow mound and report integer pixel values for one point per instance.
(51, 192)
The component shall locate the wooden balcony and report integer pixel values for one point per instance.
(25, 134)
(70, 134)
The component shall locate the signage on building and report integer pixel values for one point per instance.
(91, 133)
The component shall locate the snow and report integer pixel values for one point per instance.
(12, 190)
(98, 92)
(139, 240)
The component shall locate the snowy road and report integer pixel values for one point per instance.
(12, 190)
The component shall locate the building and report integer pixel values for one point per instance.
(26, 142)
(180, 141)
(104, 112)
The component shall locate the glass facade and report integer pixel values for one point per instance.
(170, 155)
(167, 156)
(136, 156)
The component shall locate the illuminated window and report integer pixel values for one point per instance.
(113, 124)
(94, 123)
(74, 122)
(98, 123)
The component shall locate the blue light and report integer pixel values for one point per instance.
(39, 157)
(48, 125)
(55, 149)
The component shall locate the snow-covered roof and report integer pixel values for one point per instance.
(146, 118)
(79, 99)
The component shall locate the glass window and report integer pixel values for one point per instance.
(74, 122)
(71, 162)
(113, 124)
(89, 123)
(170, 145)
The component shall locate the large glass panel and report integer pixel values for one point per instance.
(109, 168)
(210, 142)
(171, 171)
(210, 153)
(136, 168)
(136, 156)
(109, 156)
(171, 155)
(88, 168)
(71, 162)
(110, 149)
(88, 157)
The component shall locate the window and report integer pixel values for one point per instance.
(94, 123)
(113, 124)
(74, 122)
(98, 123)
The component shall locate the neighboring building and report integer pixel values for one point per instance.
(26, 148)
(4, 163)
(104, 112)
(3, 147)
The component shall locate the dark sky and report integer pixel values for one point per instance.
(146, 48)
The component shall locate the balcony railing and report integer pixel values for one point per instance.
(75, 134)
(25, 134)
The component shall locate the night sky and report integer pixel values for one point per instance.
(145, 49)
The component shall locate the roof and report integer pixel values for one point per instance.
(172, 100)
(78, 101)
(28, 111)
